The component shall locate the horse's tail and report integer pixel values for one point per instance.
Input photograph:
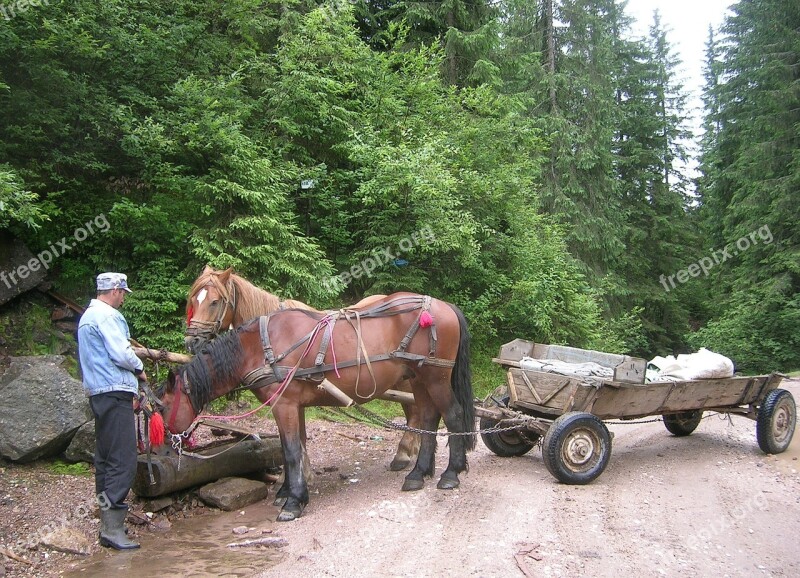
(461, 380)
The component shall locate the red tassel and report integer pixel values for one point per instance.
(425, 320)
(156, 429)
(189, 315)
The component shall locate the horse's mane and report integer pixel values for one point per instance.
(251, 301)
(218, 360)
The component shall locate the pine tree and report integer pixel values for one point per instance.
(752, 191)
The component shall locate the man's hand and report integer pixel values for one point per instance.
(141, 376)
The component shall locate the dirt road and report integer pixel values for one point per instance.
(710, 504)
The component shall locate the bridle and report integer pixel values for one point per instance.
(173, 414)
(206, 330)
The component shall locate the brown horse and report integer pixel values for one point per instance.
(221, 299)
(362, 353)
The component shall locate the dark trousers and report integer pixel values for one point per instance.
(115, 452)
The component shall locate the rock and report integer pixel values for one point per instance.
(81, 448)
(67, 540)
(41, 408)
(158, 504)
(233, 493)
(22, 270)
(161, 524)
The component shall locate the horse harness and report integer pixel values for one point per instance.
(272, 372)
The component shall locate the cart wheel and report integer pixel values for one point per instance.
(684, 423)
(576, 448)
(507, 444)
(775, 423)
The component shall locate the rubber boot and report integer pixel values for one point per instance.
(112, 530)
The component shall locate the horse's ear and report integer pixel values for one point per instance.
(225, 275)
(208, 270)
(171, 380)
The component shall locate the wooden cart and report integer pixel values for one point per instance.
(567, 411)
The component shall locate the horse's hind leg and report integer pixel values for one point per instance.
(425, 466)
(408, 449)
(453, 418)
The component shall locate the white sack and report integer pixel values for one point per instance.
(704, 364)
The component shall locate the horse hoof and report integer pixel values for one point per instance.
(287, 516)
(412, 485)
(289, 513)
(448, 483)
(399, 464)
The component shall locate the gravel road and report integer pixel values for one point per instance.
(710, 504)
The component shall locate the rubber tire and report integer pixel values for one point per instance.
(777, 411)
(568, 434)
(509, 444)
(684, 423)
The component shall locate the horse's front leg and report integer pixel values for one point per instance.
(283, 489)
(294, 488)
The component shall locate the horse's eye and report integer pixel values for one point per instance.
(215, 302)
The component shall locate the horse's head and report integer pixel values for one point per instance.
(177, 408)
(210, 308)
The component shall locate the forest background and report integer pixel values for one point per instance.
(523, 159)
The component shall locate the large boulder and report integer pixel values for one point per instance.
(41, 408)
(81, 448)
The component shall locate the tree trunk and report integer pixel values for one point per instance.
(240, 458)
(551, 54)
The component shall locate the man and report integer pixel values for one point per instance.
(111, 372)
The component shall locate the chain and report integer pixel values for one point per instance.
(372, 418)
(654, 420)
(657, 419)
(177, 443)
(376, 419)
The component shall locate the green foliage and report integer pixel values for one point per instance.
(18, 206)
(156, 306)
(62, 468)
(28, 330)
(759, 334)
(523, 165)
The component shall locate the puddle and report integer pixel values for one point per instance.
(193, 547)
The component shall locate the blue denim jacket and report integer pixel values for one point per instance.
(107, 359)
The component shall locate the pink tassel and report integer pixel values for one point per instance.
(425, 320)
(156, 429)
